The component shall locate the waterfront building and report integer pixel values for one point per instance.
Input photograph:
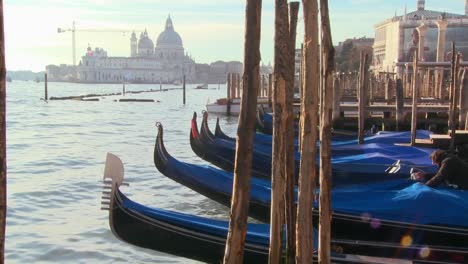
(429, 32)
(165, 62)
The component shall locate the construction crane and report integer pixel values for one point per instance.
(73, 30)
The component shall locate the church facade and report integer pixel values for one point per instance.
(165, 62)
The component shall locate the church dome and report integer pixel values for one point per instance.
(169, 37)
(145, 42)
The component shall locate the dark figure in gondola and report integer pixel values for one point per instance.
(452, 171)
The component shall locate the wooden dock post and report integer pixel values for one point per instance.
(270, 87)
(337, 99)
(363, 101)
(290, 136)
(228, 93)
(308, 135)
(46, 92)
(236, 86)
(183, 86)
(278, 173)
(399, 104)
(3, 158)
(328, 62)
(463, 99)
(414, 111)
(234, 252)
(453, 92)
(123, 88)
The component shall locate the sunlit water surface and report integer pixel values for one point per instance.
(56, 152)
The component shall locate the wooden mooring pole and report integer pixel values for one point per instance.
(362, 93)
(328, 62)
(3, 158)
(289, 141)
(46, 93)
(228, 93)
(234, 252)
(414, 109)
(183, 87)
(309, 122)
(454, 101)
(399, 104)
(278, 173)
(463, 100)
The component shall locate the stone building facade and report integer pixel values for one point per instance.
(431, 33)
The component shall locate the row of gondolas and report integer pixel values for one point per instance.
(379, 215)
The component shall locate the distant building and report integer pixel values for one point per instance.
(60, 73)
(166, 62)
(348, 53)
(429, 32)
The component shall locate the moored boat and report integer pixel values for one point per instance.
(185, 235)
(393, 218)
(352, 163)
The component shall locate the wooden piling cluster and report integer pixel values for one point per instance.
(389, 97)
(283, 210)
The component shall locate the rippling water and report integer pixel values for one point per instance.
(56, 153)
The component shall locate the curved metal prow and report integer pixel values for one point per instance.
(218, 132)
(204, 128)
(113, 179)
(160, 154)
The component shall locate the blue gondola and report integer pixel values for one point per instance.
(352, 163)
(185, 235)
(393, 218)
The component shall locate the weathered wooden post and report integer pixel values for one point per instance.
(414, 110)
(123, 88)
(389, 86)
(290, 136)
(46, 92)
(3, 158)
(236, 90)
(363, 101)
(270, 88)
(337, 99)
(453, 103)
(463, 99)
(183, 87)
(234, 252)
(328, 54)
(399, 103)
(309, 121)
(278, 172)
(228, 95)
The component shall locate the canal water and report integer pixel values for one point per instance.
(55, 156)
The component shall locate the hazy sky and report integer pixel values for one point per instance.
(210, 29)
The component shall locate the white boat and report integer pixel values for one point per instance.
(220, 105)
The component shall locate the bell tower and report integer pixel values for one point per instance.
(133, 45)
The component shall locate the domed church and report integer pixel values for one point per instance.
(165, 63)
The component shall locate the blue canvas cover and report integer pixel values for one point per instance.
(352, 162)
(397, 200)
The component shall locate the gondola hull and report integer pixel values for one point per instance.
(361, 231)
